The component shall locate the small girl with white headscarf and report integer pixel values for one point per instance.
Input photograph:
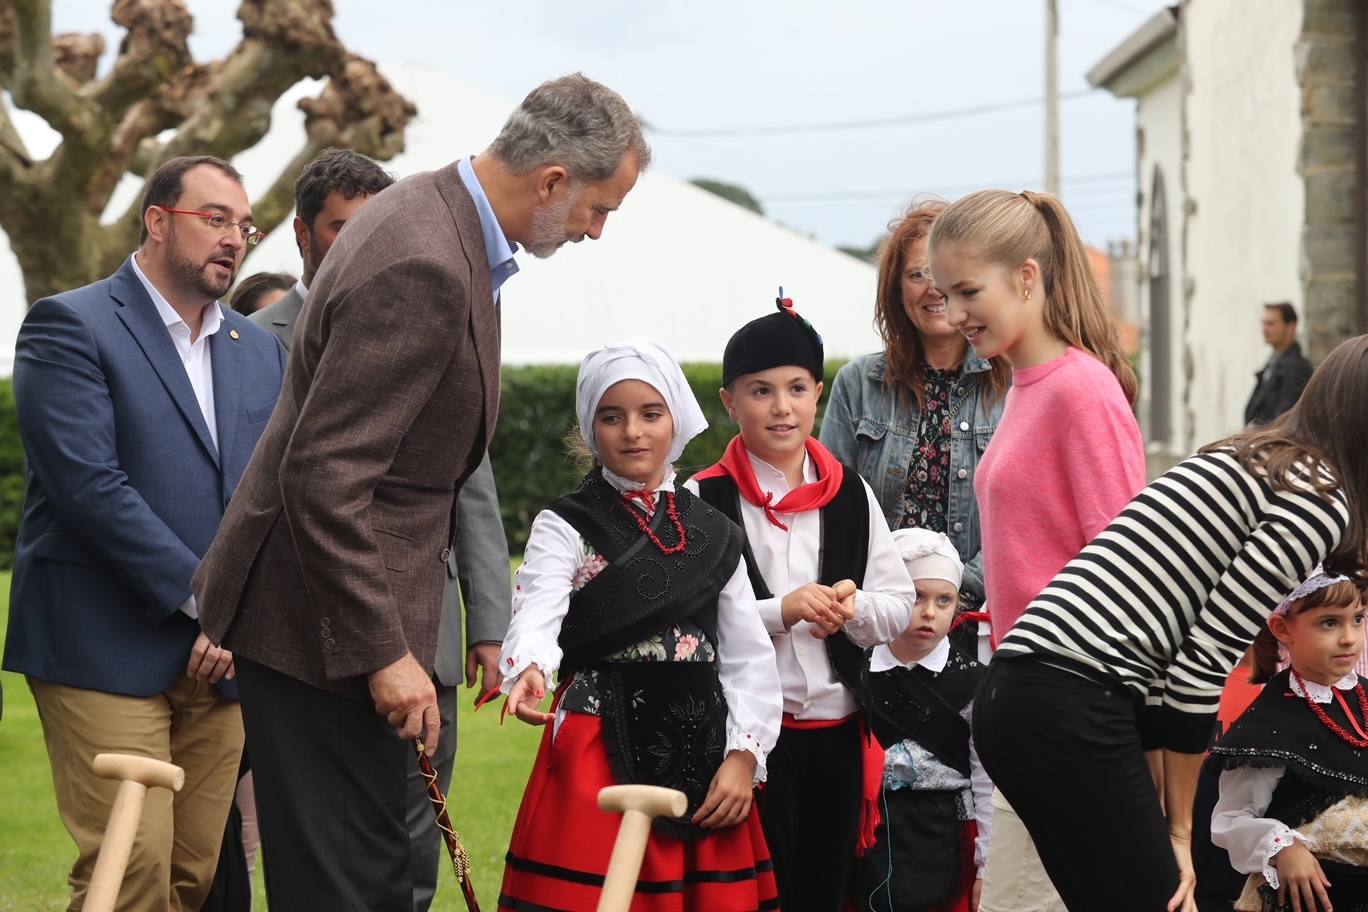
(634, 595)
(936, 799)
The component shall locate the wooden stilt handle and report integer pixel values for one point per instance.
(138, 774)
(638, 804)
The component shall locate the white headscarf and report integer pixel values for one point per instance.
(650, 362)
(929, 555)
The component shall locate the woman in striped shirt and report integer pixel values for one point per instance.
(1162, 604)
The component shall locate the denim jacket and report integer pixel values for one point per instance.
(866, 427)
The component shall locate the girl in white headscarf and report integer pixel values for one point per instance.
(633, 594)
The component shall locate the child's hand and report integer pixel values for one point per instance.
(815, 603)
(526, 697)
(976, 894)
(845, 595)
(731, 793)
(1300, 875)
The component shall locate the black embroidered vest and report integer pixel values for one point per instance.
(664, 722)
(1279, 729)
(927, 707)
(843, 554)
(642, 591)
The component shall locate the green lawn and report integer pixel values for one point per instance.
(36, 853)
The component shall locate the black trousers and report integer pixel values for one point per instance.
(1065, 751)
(810, 812)
(331, 792)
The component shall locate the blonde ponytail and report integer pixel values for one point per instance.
(1010, 228)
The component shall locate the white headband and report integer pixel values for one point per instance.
(1317, 581)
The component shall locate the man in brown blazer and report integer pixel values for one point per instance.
(326, 577)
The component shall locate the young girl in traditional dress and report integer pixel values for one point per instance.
(937, 812)
(634, 593)
(1294, 786)
(1067, 455)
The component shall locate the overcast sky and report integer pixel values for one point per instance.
(749, 70)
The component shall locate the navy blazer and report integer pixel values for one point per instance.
(125, 486)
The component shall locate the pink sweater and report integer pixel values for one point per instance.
(1066, 459)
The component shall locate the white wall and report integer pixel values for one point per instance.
(1243, 236)
(1159, 119)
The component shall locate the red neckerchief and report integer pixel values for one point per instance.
(811, 496)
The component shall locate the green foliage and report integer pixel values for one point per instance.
(730, 192)
(531, 462)
(532, 466)
(11, 474)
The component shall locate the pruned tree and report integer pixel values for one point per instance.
(157, 102)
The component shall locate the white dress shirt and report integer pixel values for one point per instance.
(195, 355)
(197, 359)
(1238, 824)
(913, 764)
(556, 555)
(790, 559)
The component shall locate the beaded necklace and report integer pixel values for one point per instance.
(1330, 723)
(671, 510)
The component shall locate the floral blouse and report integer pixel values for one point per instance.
(926, 495)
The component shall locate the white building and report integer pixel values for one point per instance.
(676, 262)
(1250, 123)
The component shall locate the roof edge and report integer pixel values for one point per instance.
(1158, 29)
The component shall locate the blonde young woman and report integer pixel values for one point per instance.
(1067, 455)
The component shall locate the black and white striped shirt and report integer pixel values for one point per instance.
(1169, 596)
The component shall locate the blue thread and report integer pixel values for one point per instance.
(887, 883)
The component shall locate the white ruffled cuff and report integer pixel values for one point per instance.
(514, 665)
(1278, 839)
(744, 740)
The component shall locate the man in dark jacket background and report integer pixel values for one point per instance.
(1282, 379)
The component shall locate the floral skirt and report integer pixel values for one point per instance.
(561, 843)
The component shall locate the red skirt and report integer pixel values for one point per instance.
(561, 843)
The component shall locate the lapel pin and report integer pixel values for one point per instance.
(233, 333)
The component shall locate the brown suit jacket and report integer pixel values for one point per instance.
(331, 559)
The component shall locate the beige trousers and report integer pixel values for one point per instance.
(1014, 880)
(177, 845)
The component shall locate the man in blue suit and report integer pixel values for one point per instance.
(140, 399)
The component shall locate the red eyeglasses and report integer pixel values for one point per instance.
(251, 234)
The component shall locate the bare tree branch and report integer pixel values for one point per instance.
(36, 84)
(155, 50)
(113, 124)
(77, 56)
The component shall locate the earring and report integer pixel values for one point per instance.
(1028, 294)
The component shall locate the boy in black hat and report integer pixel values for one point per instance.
(829, 584)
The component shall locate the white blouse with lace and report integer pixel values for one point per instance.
(557, 562)
(1238, 824)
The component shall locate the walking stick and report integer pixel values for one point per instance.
(138, 775)
(637, 804)
(460, 858)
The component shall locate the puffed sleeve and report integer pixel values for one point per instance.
(541, 597)
(748, 671)
(1238, 824)
(883, 605)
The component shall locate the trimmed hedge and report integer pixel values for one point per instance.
(537, 411)
(531, 465)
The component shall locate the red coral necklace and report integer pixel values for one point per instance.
(1330, 723)
(671, 510)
